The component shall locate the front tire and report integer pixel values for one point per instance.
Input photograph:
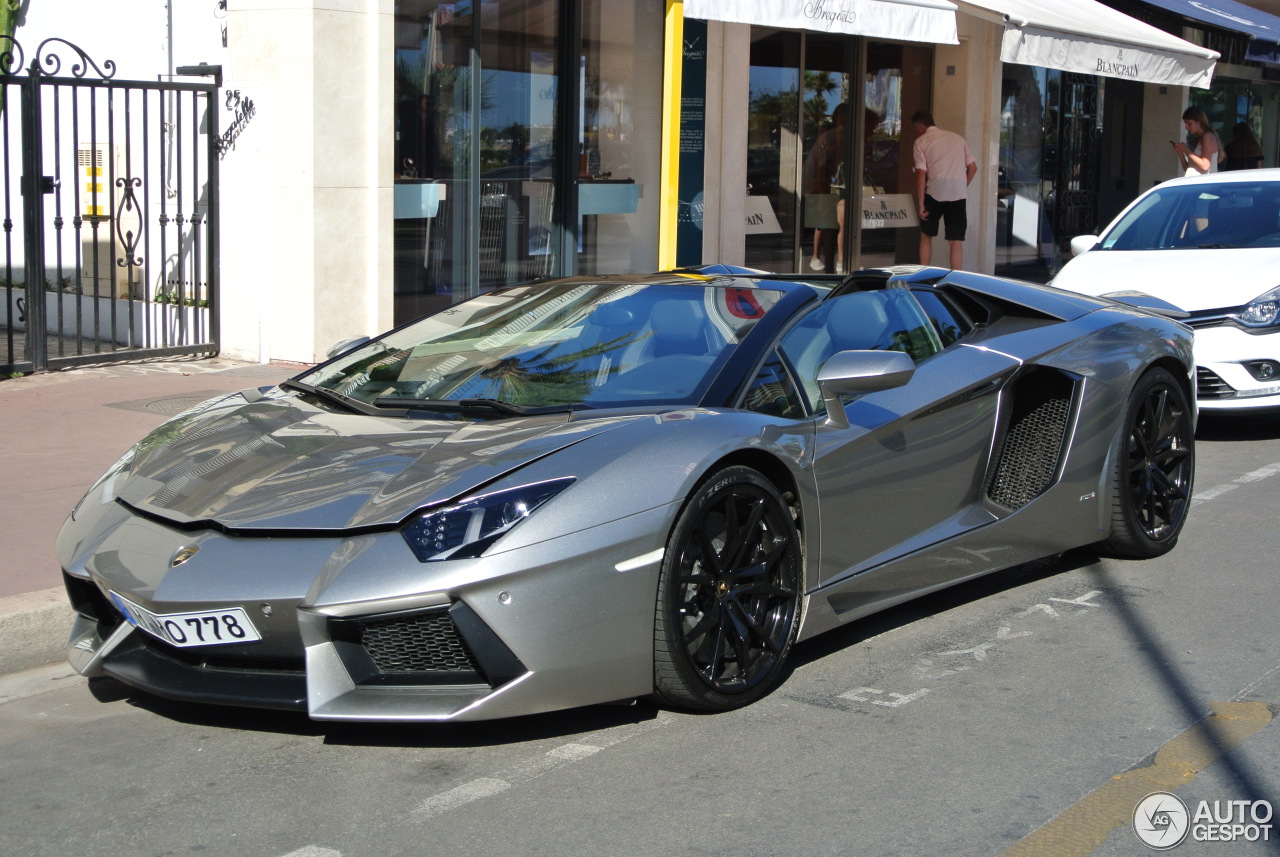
(1153, 474)
(729, 594)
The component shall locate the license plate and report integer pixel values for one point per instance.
(201, 628)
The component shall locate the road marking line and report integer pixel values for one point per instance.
(529, 769)
(1249, 688)
(979, 651)
(1085, 600)
(1252, 476)
(895, 699)
(1261, 473)
(462, 795)
(1043, 608)
(314, 851)
(1086, 825)
(1212, 493)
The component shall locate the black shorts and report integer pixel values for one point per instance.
(953, 211)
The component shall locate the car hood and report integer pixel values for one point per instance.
(276, 462)
(1189, 279)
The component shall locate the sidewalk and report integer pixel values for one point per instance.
(61, 430)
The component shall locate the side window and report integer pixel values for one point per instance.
(774, 392)
(949, 322)
(886, 320)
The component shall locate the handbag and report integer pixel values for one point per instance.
(820, 210)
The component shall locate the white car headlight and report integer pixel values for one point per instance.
(468, 528)
(1262, 311)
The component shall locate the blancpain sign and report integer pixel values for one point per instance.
(1117, 67)
(909, 20)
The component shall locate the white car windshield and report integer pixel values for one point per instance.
(556, 346)
(1201, 215)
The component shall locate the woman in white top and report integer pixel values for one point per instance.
(1203, 158)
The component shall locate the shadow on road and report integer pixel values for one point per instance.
(1233, 428)
(515, 730)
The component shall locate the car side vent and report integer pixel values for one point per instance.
(1036, 412)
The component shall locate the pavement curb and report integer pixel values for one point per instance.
(34, 629)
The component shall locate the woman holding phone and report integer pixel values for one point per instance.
(1202, 157)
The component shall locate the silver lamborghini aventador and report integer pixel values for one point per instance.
(603, 488)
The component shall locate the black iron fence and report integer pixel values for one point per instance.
(110, 213)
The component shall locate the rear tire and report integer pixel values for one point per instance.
(728, 595)
(1153, 472)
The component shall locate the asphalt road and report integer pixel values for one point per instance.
(1025, 714)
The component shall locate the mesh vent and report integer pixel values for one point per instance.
(1210, 386)
(423, 643)
(1032, 444)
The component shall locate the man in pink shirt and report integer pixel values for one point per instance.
(944, 168)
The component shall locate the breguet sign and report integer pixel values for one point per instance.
(827, 15)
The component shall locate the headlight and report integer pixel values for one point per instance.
(467, 529)
(1261, 311)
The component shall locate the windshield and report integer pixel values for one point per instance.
(555, 346)
(1201, 215)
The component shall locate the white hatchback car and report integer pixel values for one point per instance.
(1210, 247)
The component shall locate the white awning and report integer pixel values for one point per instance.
(905, 20)
(1085, 36)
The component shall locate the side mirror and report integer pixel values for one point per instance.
(848, 372)
(1083, 244)
(345, 345)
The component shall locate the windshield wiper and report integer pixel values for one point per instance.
(353, 405)
(496, 405)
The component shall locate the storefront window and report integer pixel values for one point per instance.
(896, 86)
(480, 134)
(1024, 190)
(620, 141)
(432, 162)
(774, 151)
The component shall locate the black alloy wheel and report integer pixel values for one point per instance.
(729, 594)
(1155, 470)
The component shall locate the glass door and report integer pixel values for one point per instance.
(774, 147)
(827, 134)
(896, 85)
(810, 118)
(432, 162)
(798, 134)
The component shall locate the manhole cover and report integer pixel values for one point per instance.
(168, 405)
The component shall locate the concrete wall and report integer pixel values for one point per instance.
(1162, 108)
(728, 100)
(307, 242)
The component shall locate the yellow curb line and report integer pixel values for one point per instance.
(1085, 826)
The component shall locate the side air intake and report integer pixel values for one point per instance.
(1036, 412)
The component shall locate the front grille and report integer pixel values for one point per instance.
(436, 646)
(1032, 442)
(1210, 386)
(1205, 321)
(427, 642)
